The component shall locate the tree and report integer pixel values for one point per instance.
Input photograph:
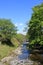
(7, 29)
(35, 31)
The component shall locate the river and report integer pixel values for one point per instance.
(22, 59)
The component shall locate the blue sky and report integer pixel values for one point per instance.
(19, 11)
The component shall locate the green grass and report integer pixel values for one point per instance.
(21, 37)
(6, 50)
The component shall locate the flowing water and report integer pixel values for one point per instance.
(22, 59)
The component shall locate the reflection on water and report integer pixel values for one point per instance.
(25, 58)
(25, 52)
(22, 58)
(37, 58)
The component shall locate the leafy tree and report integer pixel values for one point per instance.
(35, 31)
(7, 29)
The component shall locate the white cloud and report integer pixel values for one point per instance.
(24, 33)
(20, 27)
(21, 24)
(18, 24)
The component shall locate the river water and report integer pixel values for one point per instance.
(22, 59)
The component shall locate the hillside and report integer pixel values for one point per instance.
(20, 37)
(6, 50)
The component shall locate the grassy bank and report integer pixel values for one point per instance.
(6, 50)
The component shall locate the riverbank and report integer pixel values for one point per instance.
(17, 58)
(7, 59)
(6, 50)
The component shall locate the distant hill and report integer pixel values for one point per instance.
(20, 37)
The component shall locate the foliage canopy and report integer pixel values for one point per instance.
(7, 29)
(35, 31)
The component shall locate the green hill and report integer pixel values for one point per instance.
(20, 37)
(6, 50)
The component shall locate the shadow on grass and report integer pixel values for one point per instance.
(7, 42)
